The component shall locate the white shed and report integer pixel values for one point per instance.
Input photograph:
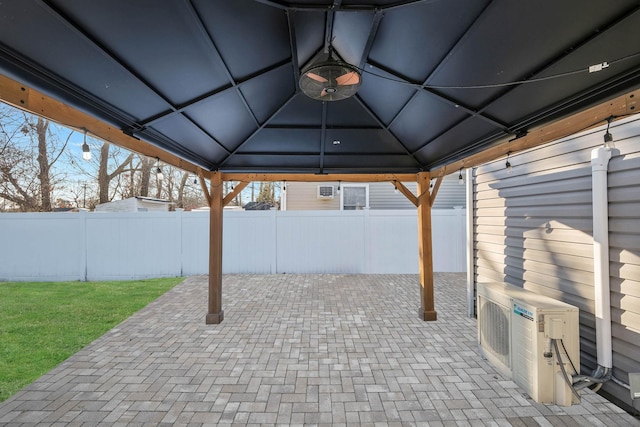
(135, 204)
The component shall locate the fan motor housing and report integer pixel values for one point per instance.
(330, 80)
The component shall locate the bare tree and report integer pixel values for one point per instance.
(41, 128)
(104, 176)
(146, 164)
(27, 184)
(181, 189)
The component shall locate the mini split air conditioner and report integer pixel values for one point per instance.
(325, 191)
(516, 329)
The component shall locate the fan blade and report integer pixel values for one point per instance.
(323, 93)
(351, 78)
(317, 77)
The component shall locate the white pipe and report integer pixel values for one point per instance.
(599, 164)
(470, 245)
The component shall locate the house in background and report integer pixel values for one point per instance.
(135, 204)
(374, 195)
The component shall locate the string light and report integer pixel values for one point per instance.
(86, 152)
(159, 173)
(338, 190)
(395, 187)
(460, 178)
(284, 185)
(608, 138)
(508, 164)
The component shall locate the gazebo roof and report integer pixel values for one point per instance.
(216, 82)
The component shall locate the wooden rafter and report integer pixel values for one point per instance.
(436, 187)
(203, 185)
(238, 188)
(406, 192)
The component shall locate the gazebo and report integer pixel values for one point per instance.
(351, 91)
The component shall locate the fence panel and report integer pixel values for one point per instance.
(320, 242)
(122, 245)
(119, 246)
(41, 247)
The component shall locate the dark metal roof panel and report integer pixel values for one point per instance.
(216, 81)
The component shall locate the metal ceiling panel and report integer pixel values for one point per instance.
(383, 94)
(354, 141)
(180, 66)
(308, 28)
(368, 163)
(53, 48)
(450, 144)
(283, 141)
(250, 36)
(273, 163)
(413, 40)
(301, 111)
(424, 118)
(350, 34)
(267, 92)
(513, 40)
(225, 117)
(603, 48)
(178, 128)
(349, 113)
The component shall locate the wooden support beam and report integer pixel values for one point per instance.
(436, 187)
(238, 188)
(215, 314)
(619, 107)
(407, 193)
(203, 185)
(427, 307)
(25, 98)
(308, 177)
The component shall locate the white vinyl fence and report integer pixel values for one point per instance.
(118, 246)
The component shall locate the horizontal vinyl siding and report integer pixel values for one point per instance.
(624, 254)
(382, 196)
(304, 196)
(533, 228)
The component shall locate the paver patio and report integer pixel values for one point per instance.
(293, 349)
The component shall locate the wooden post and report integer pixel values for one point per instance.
(215, 314)
(427, 311)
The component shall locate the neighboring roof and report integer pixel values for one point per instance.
(152, 200)
(216, 81)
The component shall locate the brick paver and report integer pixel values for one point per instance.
(293, 349)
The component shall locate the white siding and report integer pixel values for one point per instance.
(533, 228)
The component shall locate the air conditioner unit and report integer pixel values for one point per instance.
(325, 191)
(516, 329)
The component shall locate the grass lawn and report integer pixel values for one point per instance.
(42, 324)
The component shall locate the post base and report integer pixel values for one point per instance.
(427, 316)
(214, 318)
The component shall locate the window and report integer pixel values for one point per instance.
(354, 197)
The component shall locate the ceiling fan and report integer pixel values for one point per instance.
(330, 79)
